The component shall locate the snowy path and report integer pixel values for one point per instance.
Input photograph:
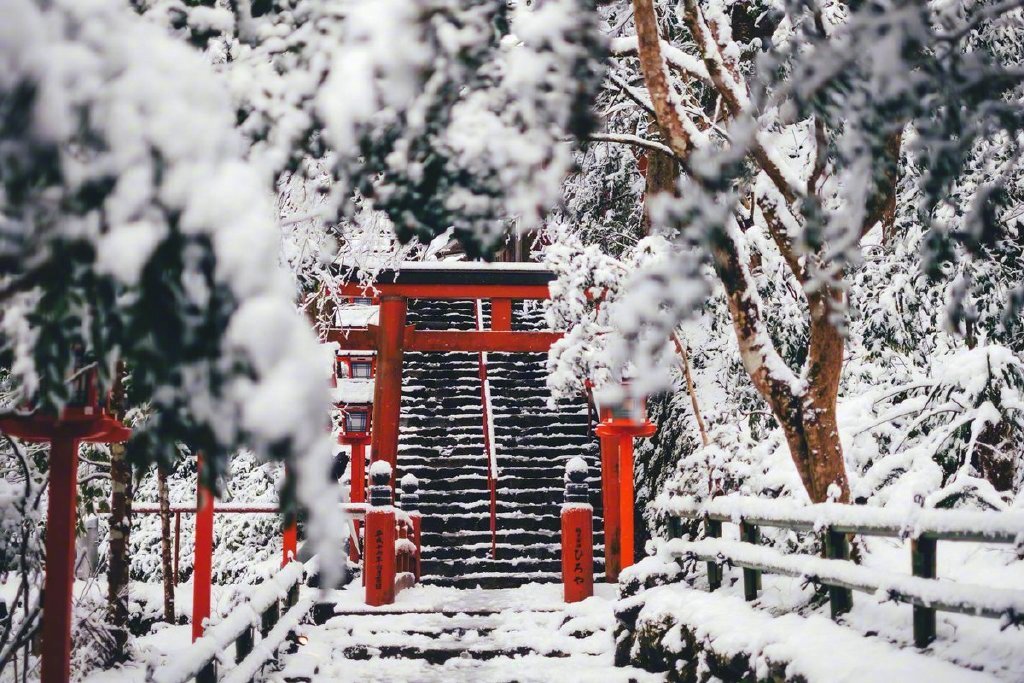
(443, 634)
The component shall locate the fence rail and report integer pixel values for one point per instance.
(263, 612)
(355, 511)
(921, 589)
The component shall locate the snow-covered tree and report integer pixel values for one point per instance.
(790, 122)
(133, 228)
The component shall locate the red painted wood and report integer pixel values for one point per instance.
(454, 291)
(358, 470)
(577, 552)
(501, 315)
(357, 490)
(626, 502)
(379, 557)
(448, 340)
(290, 543)
(610, 506)
(387, 391)
(403, 559)
(202, 573)
(60, 560)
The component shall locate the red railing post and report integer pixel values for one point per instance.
(379, 543)
(60, 560)
(202, 573)
(577, 534)
(357, 489)
(485, 402)
(290, 542)
(610, 504)
(411, 504)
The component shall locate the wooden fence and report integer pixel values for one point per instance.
(837, 523)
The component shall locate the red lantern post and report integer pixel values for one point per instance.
(625, 419)
(356, 426)
(82, 420)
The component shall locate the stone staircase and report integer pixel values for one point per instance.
(442, 444)
(444, 634)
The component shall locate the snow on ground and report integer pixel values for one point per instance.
(878, 635)
(522, 634)
(422, 598)
(812, 647)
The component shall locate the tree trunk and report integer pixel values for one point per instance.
(691, 388)
(661, 176)
(804, 405)
(119, 561)
(120, 528)
(805, 409)
(165, 545)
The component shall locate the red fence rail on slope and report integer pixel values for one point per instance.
(489, 445)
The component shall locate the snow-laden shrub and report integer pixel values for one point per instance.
(950, 434)
(134, 229)
(247, 547)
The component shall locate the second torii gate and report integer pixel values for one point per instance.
(501, 284)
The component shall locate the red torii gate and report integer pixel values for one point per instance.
(83, 419)
(502, 284)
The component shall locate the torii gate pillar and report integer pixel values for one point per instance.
(387, 390)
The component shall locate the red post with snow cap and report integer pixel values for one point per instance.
(577, 534)
(624, 420)
(379, 542)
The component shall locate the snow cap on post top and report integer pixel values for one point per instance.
(380, 483)
(410, 493)
(576, 489)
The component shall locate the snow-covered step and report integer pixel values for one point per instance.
(445, 634)
(441, 443)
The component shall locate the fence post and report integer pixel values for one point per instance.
(411, 505)
(922, 562)
(289, 541)
(243, 646)
(713, 529)
(379, 538)
(675, 526)
(577, 534)
(837, 547)
(749, 533)
(208, 674)
(268, 620)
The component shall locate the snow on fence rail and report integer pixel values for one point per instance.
(264, 608)
(925, 528)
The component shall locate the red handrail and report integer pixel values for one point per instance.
(489, 449)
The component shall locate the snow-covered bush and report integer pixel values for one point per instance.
(135, 230)
(950, 435)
